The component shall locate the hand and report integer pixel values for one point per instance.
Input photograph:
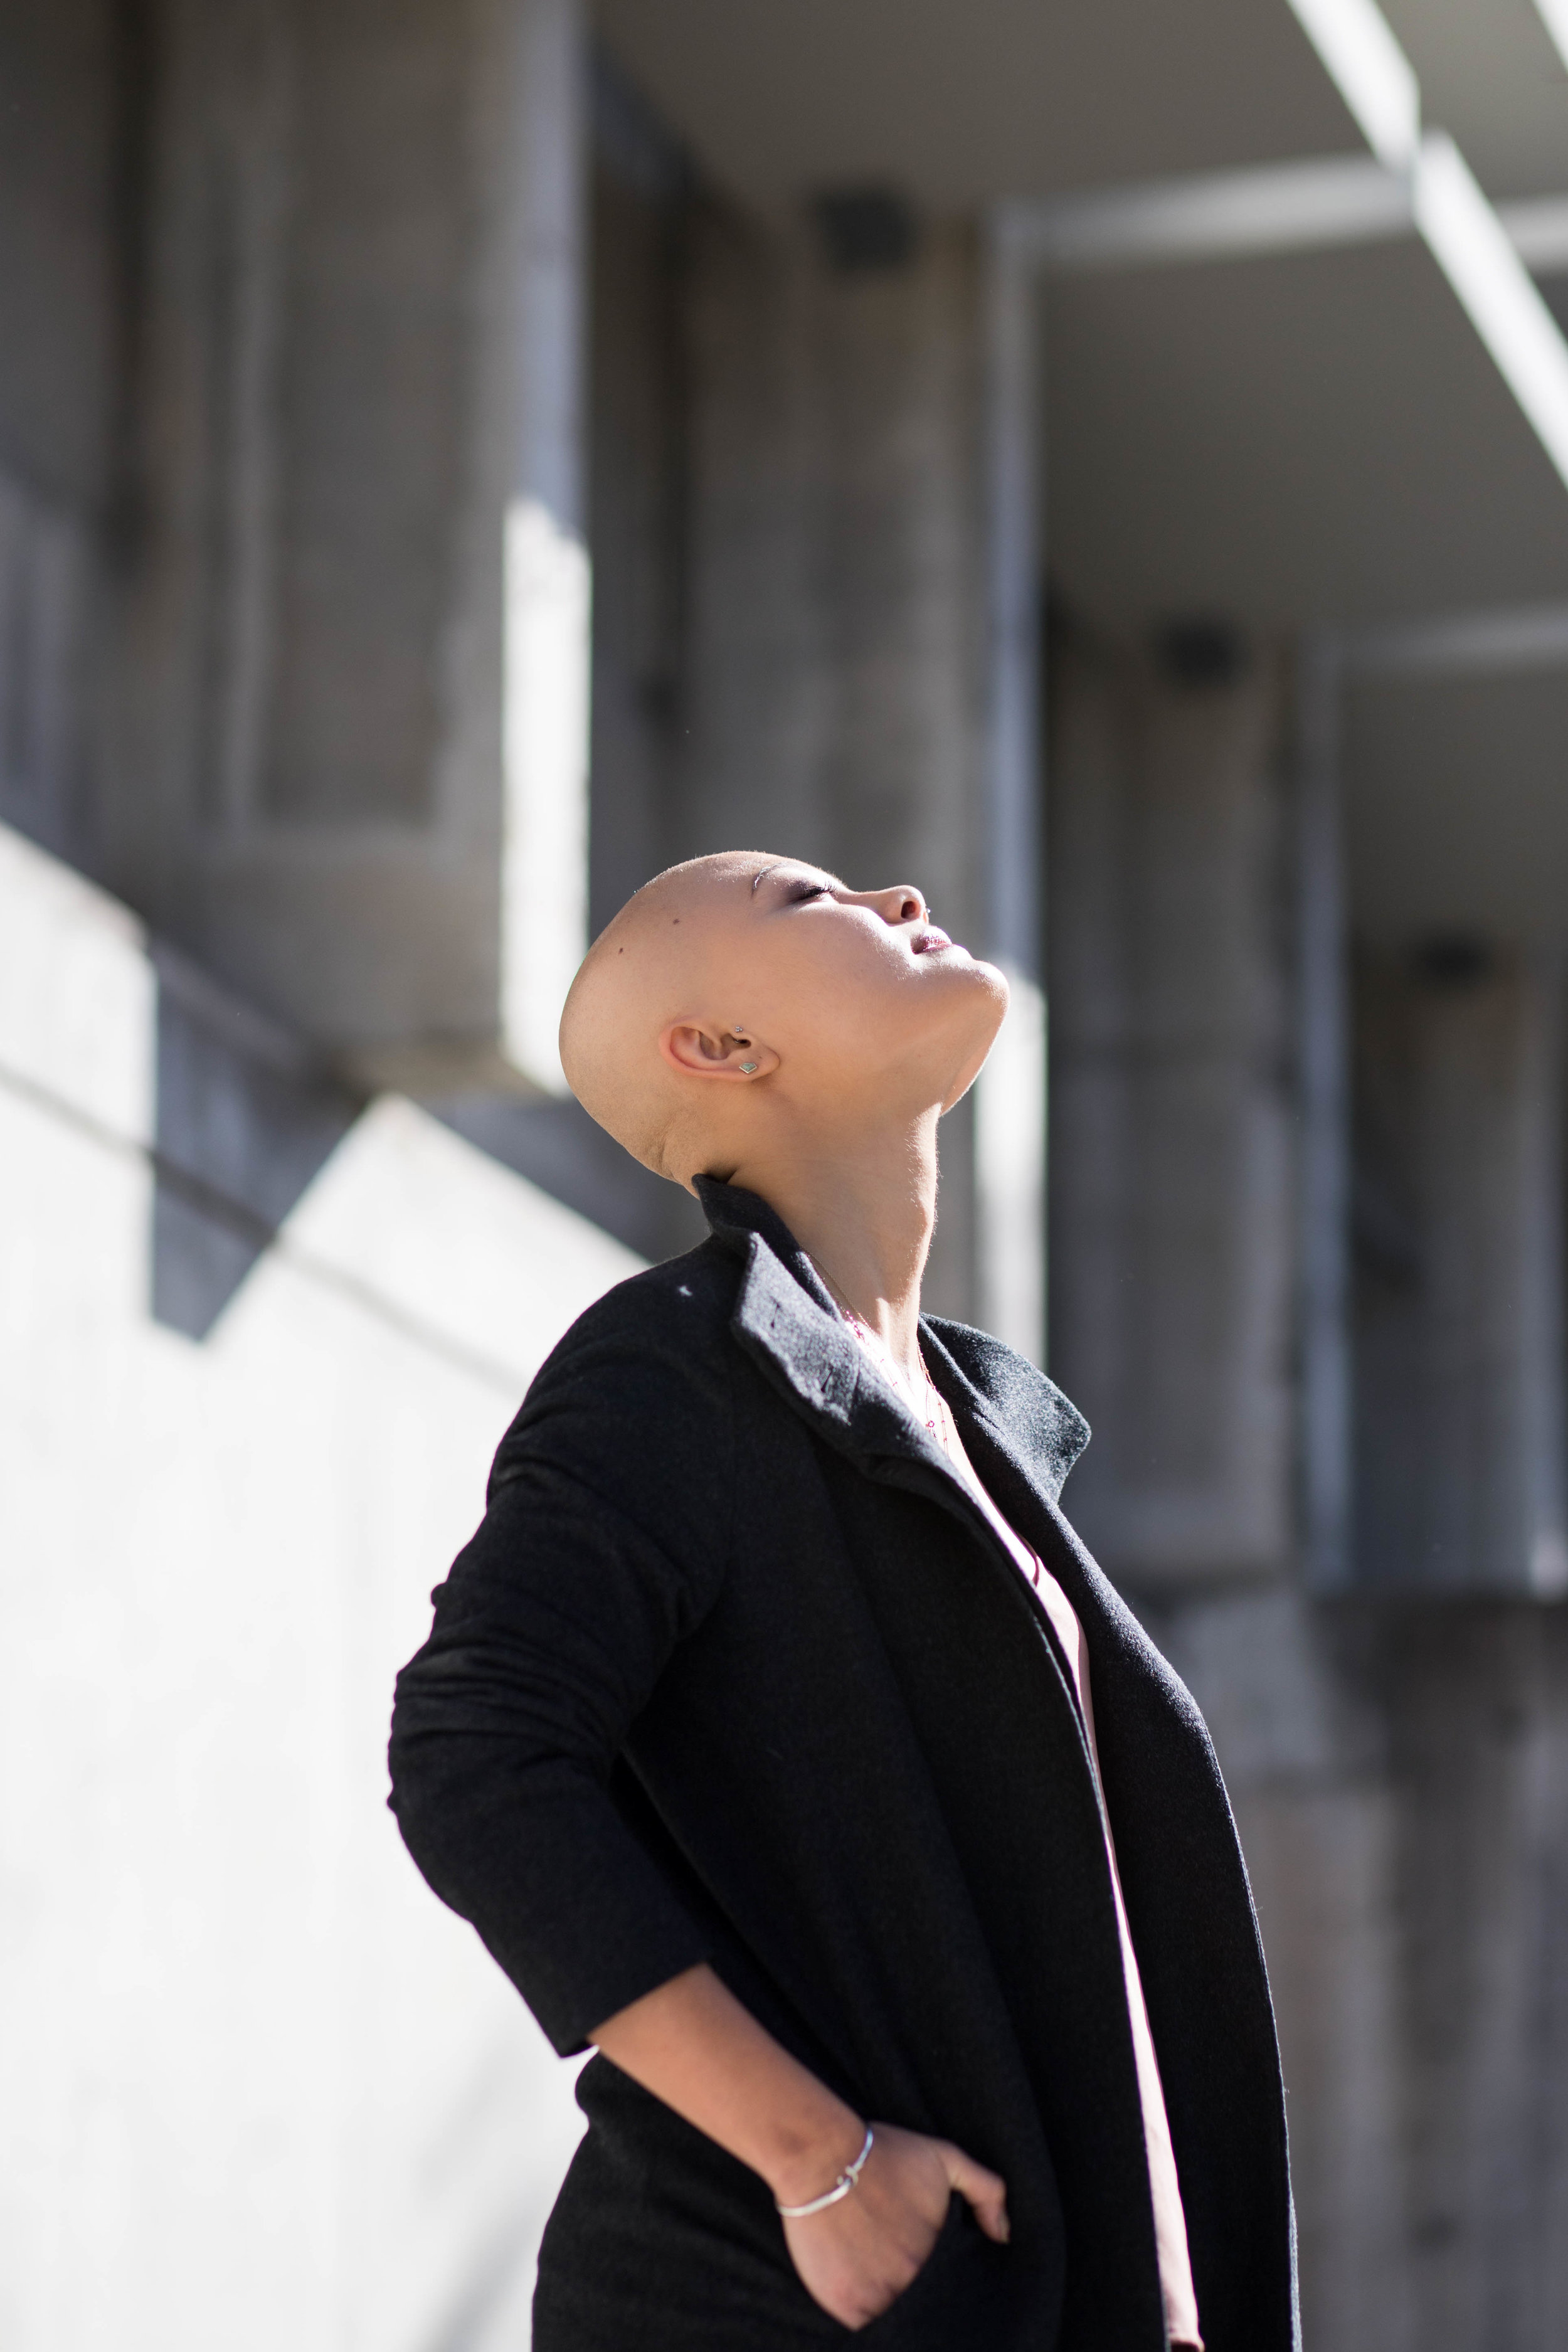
(857, 2257)
(694, 2045)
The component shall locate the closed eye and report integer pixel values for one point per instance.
(804, 890)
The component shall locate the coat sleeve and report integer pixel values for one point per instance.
(602, 1549)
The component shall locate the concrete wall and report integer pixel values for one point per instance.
(261, 2089)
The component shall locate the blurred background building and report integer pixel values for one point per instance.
(1100, 460)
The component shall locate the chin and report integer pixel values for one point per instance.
(987, 997)
(985, 984)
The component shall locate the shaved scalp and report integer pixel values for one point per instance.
(650, 966)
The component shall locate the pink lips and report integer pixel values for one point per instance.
(930, 941)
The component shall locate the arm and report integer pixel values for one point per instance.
(552, 1631)
(599, 1553)
(693, 2045)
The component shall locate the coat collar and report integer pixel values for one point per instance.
(786, 1319)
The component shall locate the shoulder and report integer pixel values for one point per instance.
(1033, 1411)
(650, 1364)
(681, 1309)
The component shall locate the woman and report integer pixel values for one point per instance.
(782, 1741)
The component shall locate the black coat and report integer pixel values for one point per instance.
(734, 1670)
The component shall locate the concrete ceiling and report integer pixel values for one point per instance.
(1489, 74)
(1296, 440)
(1286, 440)
(958, 101)
(1281, 441)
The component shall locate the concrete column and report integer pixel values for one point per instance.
(1323, 1087)
(1459, 1308)
(834, 697)
(642, 202)
(350, 735)
(537, 334)
(1304, 1757)
(50, 581)
(1010, 1098)
(1476, 1696)
(58, 401)
(1170, 1192)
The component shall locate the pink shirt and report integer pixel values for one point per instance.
(1170, 2219)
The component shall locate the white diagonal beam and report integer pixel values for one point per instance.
(1370, 70)
(1462, 230)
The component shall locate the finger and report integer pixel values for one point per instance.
(984, 2190)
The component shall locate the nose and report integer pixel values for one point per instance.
(902, 904)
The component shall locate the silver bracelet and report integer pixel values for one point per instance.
(841, 2187)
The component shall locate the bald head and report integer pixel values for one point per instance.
(661, 961)
(744, 1007)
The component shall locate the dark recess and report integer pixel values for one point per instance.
(1202, 650)
(866, 229)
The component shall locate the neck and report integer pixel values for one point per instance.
(863, 1210)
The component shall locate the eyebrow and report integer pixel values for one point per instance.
(763, 872)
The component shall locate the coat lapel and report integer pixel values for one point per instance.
(1038, 1429)
(796, 1334)
(786, 1321)
(1023, 1443)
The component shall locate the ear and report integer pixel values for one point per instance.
(698, 1052)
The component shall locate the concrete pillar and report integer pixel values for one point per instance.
(1172, 1242)
(1459, 1341)
(350, 733)
(1323, 1109)
(49, 582)
(1477, 1699)
(1010, 1103)
(1304, 1753)
(60, 361)
(534, 331)
(832, 703)
(642, 197)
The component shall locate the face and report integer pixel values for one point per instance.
(858, 994)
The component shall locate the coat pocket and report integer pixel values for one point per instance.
(958, 2301)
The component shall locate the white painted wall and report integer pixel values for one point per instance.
(260, 2090)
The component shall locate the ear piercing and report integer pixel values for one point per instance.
(747, 1069)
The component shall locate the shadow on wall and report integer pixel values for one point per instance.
(245, 1119)
(247, 1116)
(556, 1145)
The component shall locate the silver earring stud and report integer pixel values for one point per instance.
(747, 1067)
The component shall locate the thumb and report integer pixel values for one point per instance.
(985, 2192)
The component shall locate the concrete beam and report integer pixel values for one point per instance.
(1315, 205)
(1512, 638)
